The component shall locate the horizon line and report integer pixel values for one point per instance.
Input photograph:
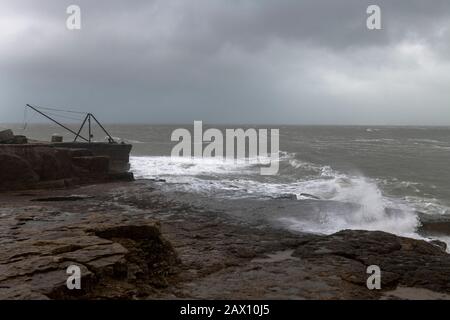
(2, 124)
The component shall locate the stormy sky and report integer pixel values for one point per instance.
(229, 61)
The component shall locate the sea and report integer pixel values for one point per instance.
(330, 178)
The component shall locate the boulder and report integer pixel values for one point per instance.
(6, 135)
(19, 139)
(403, 261)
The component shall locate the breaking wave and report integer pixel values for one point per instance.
(299, 180)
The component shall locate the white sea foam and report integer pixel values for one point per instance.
(428, 206)
(375, 140)
(428, 141)
(374, 211)
(240, 179)
(150, 167)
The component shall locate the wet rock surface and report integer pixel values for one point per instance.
(132, 241)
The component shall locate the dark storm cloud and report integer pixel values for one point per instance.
(229, 61)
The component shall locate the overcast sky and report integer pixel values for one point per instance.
(229, 61)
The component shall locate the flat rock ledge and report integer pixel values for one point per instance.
(116, 261)
(132, 241)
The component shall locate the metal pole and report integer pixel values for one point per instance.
(89, 122)
(81, 128)
(70, 130)
(111, 140)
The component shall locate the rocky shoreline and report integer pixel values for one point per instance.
(132, 241)
(44, 165)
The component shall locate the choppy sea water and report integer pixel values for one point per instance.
(373, 178)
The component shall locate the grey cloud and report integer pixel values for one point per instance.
(253, 61)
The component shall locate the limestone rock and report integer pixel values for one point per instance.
(6, 135)
(15, 169)
(94, 164)
(36, 268)
(403, 261)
